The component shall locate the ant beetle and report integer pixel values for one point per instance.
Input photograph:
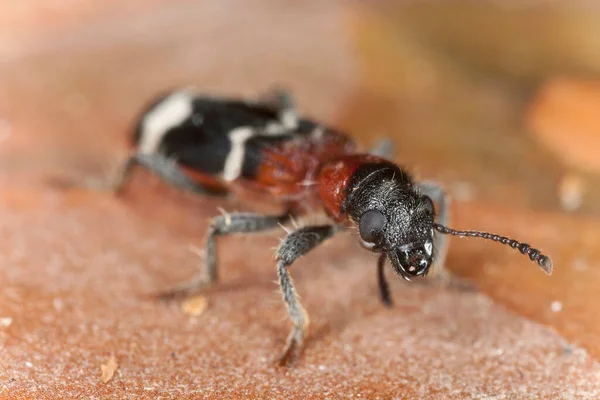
(208, 144)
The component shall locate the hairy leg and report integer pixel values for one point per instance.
(293, 246)
(221, 226)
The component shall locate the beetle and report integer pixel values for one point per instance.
(209, 145)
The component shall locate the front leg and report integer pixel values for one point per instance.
(383, 148)
(293, 246)
(224, 225)
(384, 287)
(435, 191)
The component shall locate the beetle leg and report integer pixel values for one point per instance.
(224, 225)
(383, 148)
(167, 169)
(384, 288)
(435, 191)
(296, 244)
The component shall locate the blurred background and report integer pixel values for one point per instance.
(498, 100)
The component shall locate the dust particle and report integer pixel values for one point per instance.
(108, 369)
(556, 306)
(571, 191)
(194, 306)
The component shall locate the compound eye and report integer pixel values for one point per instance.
(371, 226)
(428, 204)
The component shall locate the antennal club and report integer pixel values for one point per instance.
(534, 254)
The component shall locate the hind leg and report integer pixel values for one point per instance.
(167, 169)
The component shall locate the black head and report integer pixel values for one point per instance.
(393, 217)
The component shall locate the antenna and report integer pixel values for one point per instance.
(534, 254)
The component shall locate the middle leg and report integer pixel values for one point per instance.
(224, 225)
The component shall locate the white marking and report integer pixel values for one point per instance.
(367, 245)
(318, 132)
(275, 129)
(289, 119)
(428, 248)
(556, 306)
(235, 158)
(307, 182)
(169, 113)
(405, 247)
(238, 138)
